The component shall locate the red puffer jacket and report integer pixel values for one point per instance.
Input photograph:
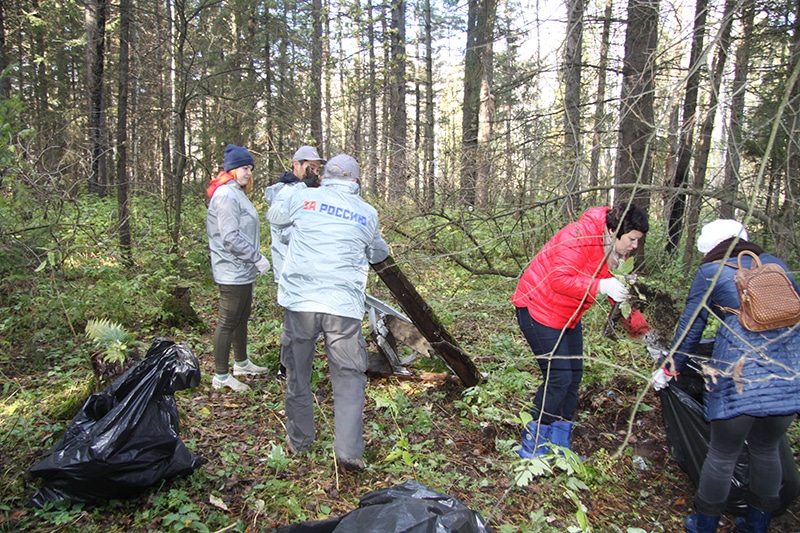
(561, 281)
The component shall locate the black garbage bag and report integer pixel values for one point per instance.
(408, 508)
(125, 438)
(689, 435)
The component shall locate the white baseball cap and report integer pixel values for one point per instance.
(307, 153)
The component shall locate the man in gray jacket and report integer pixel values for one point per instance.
(334, 238)
(306, 164)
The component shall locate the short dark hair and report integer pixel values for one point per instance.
(624, 218)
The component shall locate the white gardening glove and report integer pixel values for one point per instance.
(614, 289)
(660, 379)
(262, 265)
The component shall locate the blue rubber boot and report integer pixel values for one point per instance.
(534, 440)
(756, 521)
(561, 433)
(701, 523)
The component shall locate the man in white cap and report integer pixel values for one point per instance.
(306, 164)
(335, 233)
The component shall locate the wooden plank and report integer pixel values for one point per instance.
(426, 321)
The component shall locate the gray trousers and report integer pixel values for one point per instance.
(347, 362)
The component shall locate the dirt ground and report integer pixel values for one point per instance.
(656, 488)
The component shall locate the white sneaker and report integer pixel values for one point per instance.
(230, 382)
(248, 369)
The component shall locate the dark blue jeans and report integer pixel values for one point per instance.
(560, 357)
(763, 435)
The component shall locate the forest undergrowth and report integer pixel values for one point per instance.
(425, 427)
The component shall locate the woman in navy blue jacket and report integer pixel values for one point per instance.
(752, 382)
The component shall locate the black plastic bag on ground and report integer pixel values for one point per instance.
(689, 435)
(125, 438)
(408, 508)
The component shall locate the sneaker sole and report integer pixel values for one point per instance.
(221, 386)
(245, 373)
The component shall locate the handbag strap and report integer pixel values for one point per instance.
(756, 260)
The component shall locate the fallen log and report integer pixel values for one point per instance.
(426, 321)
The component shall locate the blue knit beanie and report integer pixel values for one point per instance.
(237, 156)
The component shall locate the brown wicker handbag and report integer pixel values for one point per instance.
(766, 296)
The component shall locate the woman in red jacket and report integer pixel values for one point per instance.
(559, 285)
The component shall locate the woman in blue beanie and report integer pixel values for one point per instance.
(234, 241)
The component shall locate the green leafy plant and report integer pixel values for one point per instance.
(60, 512)
(278, 459)
(112, 338)
(624, 273)
(186, 518)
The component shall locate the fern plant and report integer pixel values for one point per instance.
(112, 339)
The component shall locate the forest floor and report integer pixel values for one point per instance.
(416, 428)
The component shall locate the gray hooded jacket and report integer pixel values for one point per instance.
(233, 236)
(334, 238)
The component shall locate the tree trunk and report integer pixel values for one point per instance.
(478, 105)
(686, 134)
(5, 82)
(178, 130)
(488, 14)
(398, 170)
(704, 142)
(95, 13)
(428, 136)
(736, 119)
(316, 73)
(785, 238)
(125, 13)
(637, 126)
(572, 105)
(470, 106)
(600, 122)
(636, 113)
(372, 143)
(383, 140)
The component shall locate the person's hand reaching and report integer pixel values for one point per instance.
(614, 289)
